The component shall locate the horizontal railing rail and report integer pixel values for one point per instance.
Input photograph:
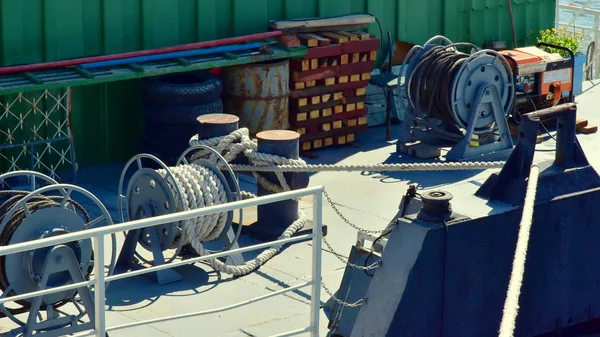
(99, 280)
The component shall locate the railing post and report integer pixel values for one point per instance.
(316, 272)
(99, 288)
(597, 45)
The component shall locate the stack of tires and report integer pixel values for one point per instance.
(171, 104)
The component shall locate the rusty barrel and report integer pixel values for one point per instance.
(258, 93)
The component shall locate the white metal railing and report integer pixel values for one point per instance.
(99, 280)
(593, 31)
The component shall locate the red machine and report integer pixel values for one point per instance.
(543, 79)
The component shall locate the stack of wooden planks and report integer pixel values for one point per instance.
(327, 101)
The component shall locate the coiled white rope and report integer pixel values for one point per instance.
(511, 304)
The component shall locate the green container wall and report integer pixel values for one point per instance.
(107, 119)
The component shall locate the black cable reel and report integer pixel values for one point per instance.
(44, 212)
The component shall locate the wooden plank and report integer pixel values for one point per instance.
(322, 41)
(350, 138)
(306, 146)
(313, 74)
(370, 45)
(301, 117)
(307, 108)
(323, 63)
(332, 61)
(355, 78)
(337, 124)
(338, 87)
(315, 114)
(338, 109)
(326, 97)
(355, 57)
(315, 99)
(338, 96)
(310, 84)
(289, 41)
(308, 40)
(365, 76)
(343, 79)
(354, 68)
(319, 134)
(301, 65)
(299, 101)
(327, 112)
(314, 63)
(298, 85)
(328, 141)
(340, 140)
(364, 57)
(318, 143)
(350, 107)
(301, 131)
(360, 105)
(344, 59)
(581, 122)
(350, 36)
(588, 129)
(362, 35)
(361, 91)
(337, 38)
(362, 120)
(373, 55)
(326, 127)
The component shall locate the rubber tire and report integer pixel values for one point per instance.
(180, 114)
(170, 132)
(182, 89)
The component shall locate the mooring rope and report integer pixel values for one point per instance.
(239, 143)
(511, 304)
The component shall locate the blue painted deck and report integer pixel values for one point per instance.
(368, 200)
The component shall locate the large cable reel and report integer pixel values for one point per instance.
(44, 212)
(157, 189)
(470, 73)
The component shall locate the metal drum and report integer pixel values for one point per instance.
(258, 93)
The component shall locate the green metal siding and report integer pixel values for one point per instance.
(107, 119)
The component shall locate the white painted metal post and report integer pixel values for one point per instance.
(597, 44)
(315, 300)
(99, 287)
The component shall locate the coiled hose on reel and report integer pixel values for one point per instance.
(430, 84)
(443, 83)
(12, 197)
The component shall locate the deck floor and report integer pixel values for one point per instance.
(367, 200)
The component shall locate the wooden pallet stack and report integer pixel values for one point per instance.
(327, 101)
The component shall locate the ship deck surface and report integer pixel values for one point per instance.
(368, 200)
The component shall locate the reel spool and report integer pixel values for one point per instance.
(46, 212)
(188, 185)
(458, 95)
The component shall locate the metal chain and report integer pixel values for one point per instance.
(372, 266)
(340, 302)
(366, 231)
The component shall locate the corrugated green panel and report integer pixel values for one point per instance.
(106, 118)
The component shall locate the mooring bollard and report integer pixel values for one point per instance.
(274, 218)
(216, 125)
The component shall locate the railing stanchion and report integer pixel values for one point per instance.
(316, 272)
(99, 288)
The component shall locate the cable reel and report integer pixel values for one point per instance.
(457, 96)
(40, 213)
(158, 190)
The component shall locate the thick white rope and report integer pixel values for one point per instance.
(449, 166)
(239, 142)
(511, 304)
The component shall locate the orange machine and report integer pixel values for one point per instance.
(543, 79)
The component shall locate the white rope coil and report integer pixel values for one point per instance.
(511, 304)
